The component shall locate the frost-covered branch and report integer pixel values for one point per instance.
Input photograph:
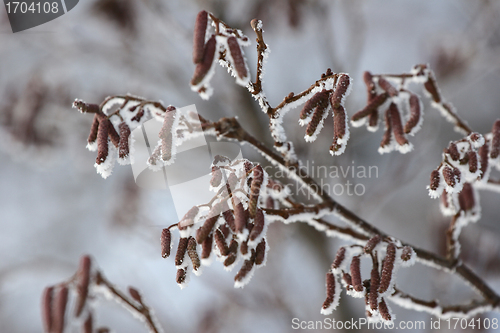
(71, 303)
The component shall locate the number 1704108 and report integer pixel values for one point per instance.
(35, 8)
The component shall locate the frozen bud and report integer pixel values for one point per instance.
(220, 241)
(483, 156)
(258, 178)
(260, 252)
(83, 281)
(435, 180)
(188, 219)
(181, 276)
(315, 100)
(386, 139)
(387, 268)
(452, 150)
(371, 243)
(466, 197)
(356, 273)
(339, 258)
(372, 106)
(166, 134)
(384, 310)
(431, 87)
(102, 140)
(245, 268)
(472, 161)
(86, 108)
(47, 315)
(135, 294)
(181, 251)
(347, 278)
(88, 324)
(397, 126)
(61, 301)
(406, 253)
(193, 254)
(387, 87)
(495, 140)
(238, 60)
(206, 247)
(138, 116)
(240, 218)
(374, 284)
(200, 28)
(123, 148)
(330, 290)
(93, 132)
(204, 66)
(451, 175)
(415, 113)
(340, 91)
(258, 225)
(165, 241)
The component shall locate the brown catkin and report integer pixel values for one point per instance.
(258, 178)
(374, 284)
(61, 301)
(466, 197)
(435, 180)
(203, 232)
(231, 258)
(387, 87)
(47, 314)
(347, 278)
(452, 150)
(138, 116)
(123, 147)
(339, 258)
(135, 294)
(330, 290)
(233, 246)
(240, 218)
(319, 97)
(370, 85)
(88, 324)
(340, 91)
(397, 126)
(245, 268)
(495, 140)
(472, 161)
(384, 310)
(371, 243)
(386, 139)
(102, 140)
(449, 175)
(188, 218)
(431, 87)
(216, 176)
(258, 225)
(260, 252)
(229, 218)
(220, 241)
(193, 254)
(93, 130)
(166, 135)
(339, 128)
(181, 276)
(181, 251)
(406, 253)
(371, 107)
(204, 66)
(232, 181)
(318, 114)
(413, 120)
(236, 54)
(200, 28)
(206, 247)
(83, 281)
(373, 119)
(356, 273)
(387, 268)
(483, 156)
(165, 240)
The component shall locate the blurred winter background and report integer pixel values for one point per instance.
(54, 207)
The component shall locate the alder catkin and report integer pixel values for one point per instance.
(260, 252)
(319, 97)
(93, 130)
(193, 254)
(495, 140)
(166, 134)
(413, 120)
(258, 178)
(435, 180)
(206, 247)
(220, 241)
(374, 284)
(204, 66)
(397, 126)
(339, 258)
(371, 243)
(123, 147)
(466, 197)
(387, 268)
(330, 290)
(102, 140)
(240, 218)
(258, 225)
(386, 139)
(387, 87)
(200, 28)
(406, 253)
(452, 150)
(236, 54)
(371, 107)
(83, 281)
(47, 313)
(88, 324)
(356, 273)
(181, 251)
(472, 161)
(165, 240)
(483, 156)
(384, 310)
(61, 301)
